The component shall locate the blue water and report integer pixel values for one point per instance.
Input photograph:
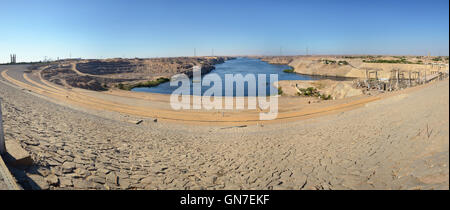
(237, 66)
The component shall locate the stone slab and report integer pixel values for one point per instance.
(16, 155)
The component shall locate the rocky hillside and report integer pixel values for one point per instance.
(326, 88)
(355, 67)
(104, 74)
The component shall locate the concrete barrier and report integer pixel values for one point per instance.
(2, 137)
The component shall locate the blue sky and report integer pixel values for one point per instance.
(132, 28)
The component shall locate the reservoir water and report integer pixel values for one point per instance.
(242, 66)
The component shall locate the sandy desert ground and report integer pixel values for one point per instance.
(399, 141)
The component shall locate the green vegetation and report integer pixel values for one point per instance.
(329, 62)
(288, 71)
(152, 83)
(121, 86)
(313, 92)
(342, 62)
(280, 91)
(362, 57)
(323, 97)
(437, 58)
(402, 60)
(335, 62)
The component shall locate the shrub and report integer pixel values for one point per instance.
(152, 83)
(437, 59)
(280, 91)
(401, 61)
(288, 71)
(328, 62)
(312, 92)
(323, 97)
(121, 86)
(343, 63)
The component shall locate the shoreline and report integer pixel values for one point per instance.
(154, 105)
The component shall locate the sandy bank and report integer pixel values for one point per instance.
(335, 89)
(354, 67)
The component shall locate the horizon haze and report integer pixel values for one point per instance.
(103, 29)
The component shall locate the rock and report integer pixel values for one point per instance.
(299, 181)
(97, 186)
(137, 177)
(17, 156)
(124, 184)
(111, 178)
(68, 167)
(52, 179)
(51, 162)
(97, 179)
(146, 181)
(285, 175)
(137, 122)
(122, 175)
(279, 187)
(37, 182)
(81, 184)
(210, 179)
(65, 182)
(43, 171)
(82, 172)
(103, 170)
(57, 159)
(32, 143)
(56, 170)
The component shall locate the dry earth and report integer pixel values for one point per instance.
(400, 142)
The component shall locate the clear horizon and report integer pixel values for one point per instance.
(104, 29)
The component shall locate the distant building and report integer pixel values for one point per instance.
(13, 58)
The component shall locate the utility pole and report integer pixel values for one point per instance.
(281, 51)
(307, 51)
(195, 52)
